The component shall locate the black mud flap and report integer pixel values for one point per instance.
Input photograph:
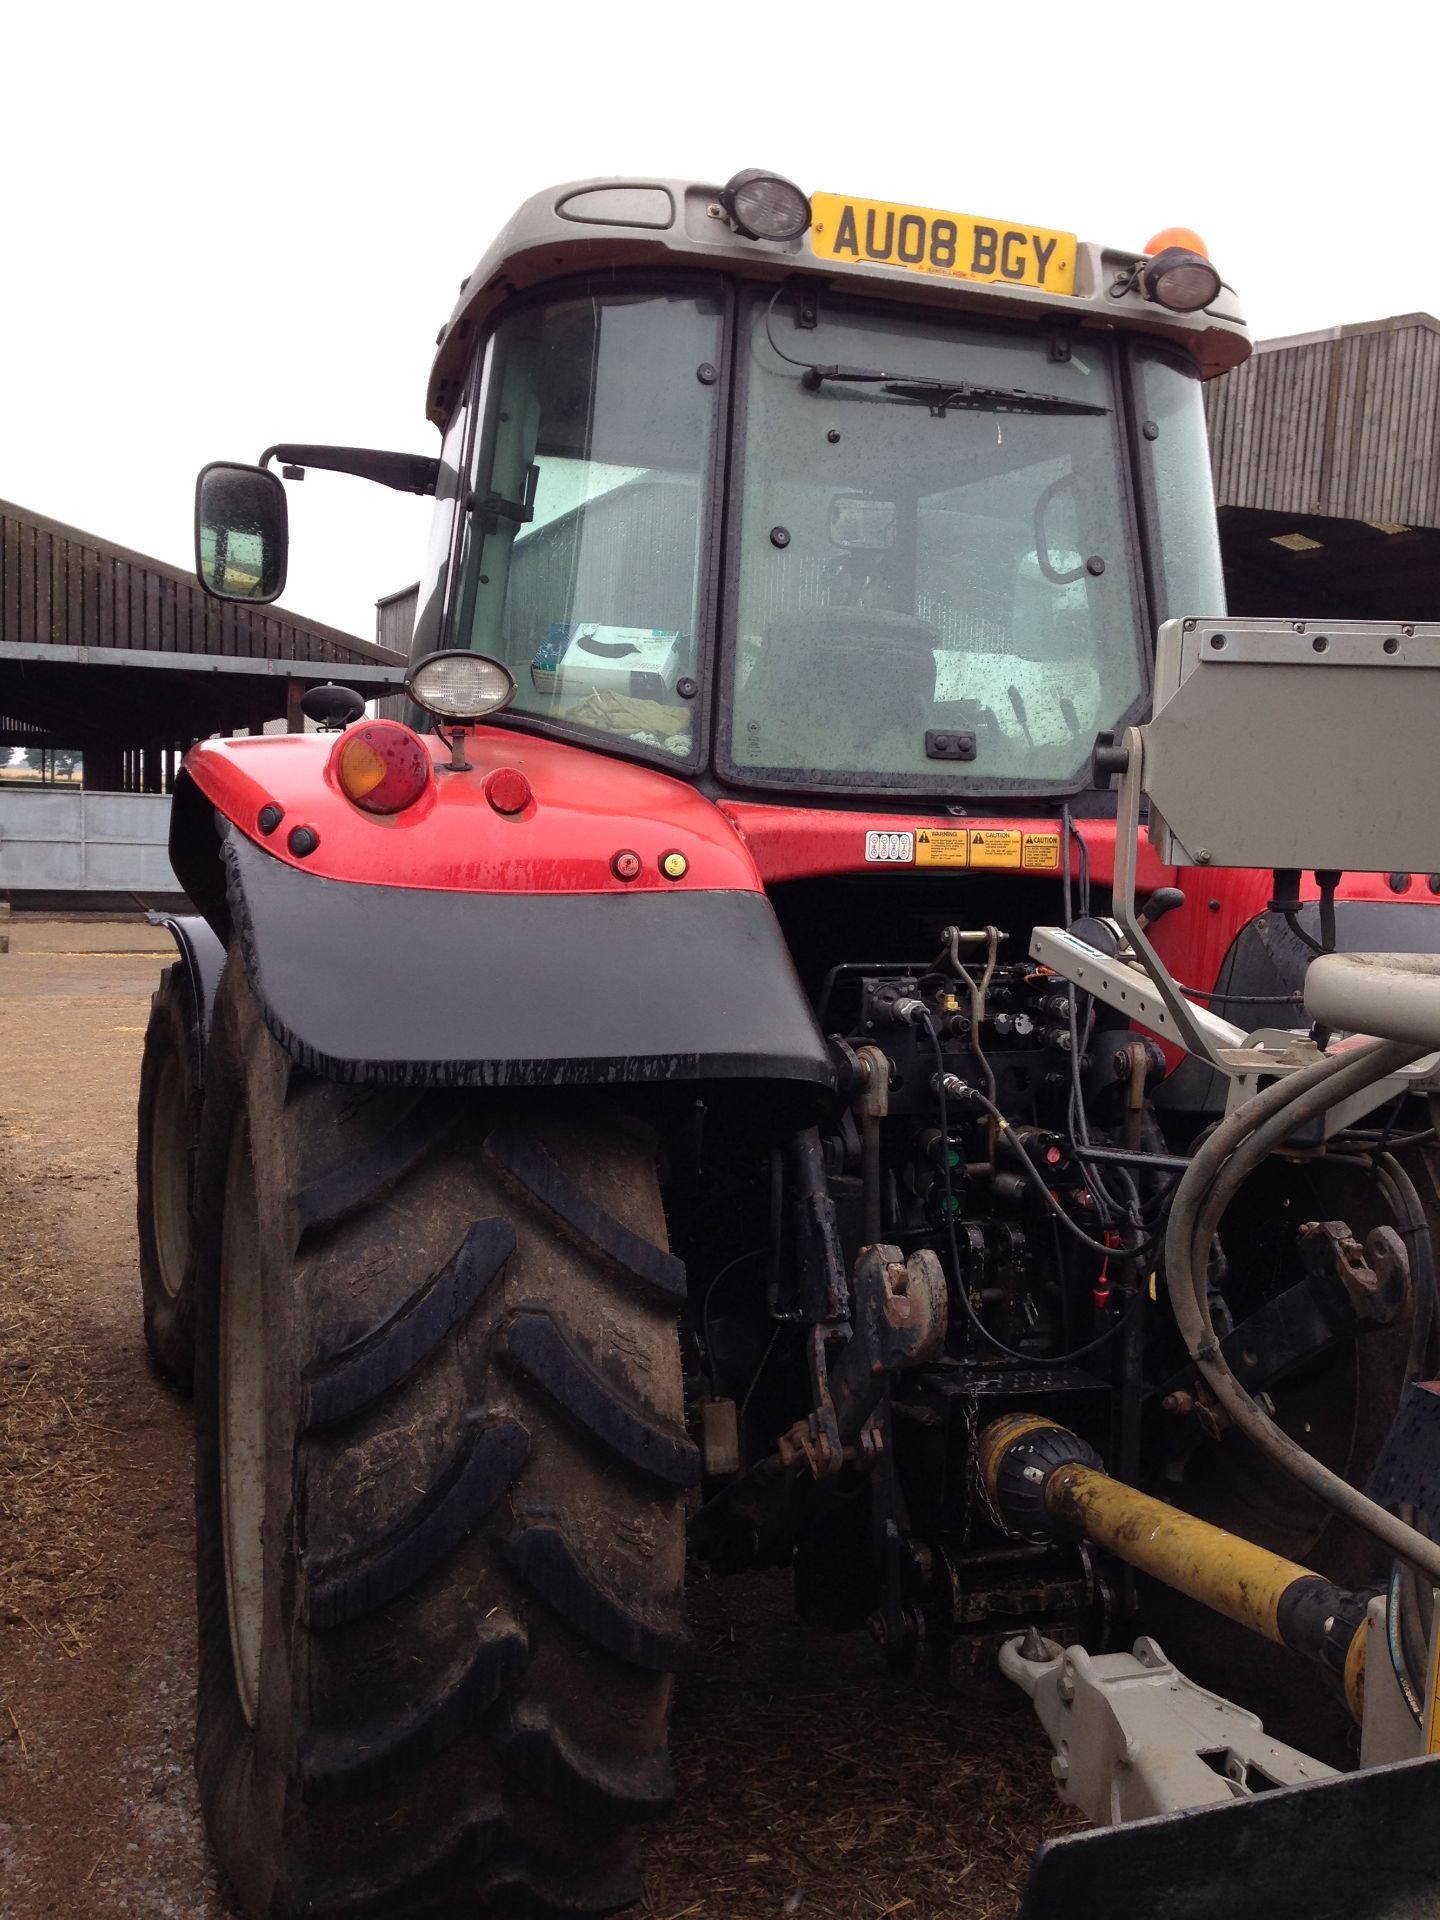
(1365, 1846)
(408, 986)
(203, 957)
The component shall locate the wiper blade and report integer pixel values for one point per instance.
(941, 395)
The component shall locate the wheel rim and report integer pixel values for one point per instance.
(169, 1176)
(242, 1422)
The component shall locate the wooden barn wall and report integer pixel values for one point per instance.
(1348, 427)
(395, 619)
(394, 626)
(61, 587)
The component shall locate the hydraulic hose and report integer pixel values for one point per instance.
(1237, 1146)
(1407, 1631)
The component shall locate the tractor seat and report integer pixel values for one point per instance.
(1395, 996)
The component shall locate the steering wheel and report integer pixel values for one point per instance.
(1058, 576)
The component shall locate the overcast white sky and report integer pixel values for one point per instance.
(231, 225)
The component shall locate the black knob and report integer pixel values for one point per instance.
(1162, 901)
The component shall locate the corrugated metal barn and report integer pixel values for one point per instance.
(1326, 455)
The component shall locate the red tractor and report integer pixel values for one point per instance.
(620, 1099)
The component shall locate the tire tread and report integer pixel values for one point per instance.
(542, 1348)
(488, 1384)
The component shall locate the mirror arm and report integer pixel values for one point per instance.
(407, 472)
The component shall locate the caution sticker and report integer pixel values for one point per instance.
(1041, 853)
(989, 849)
(996, 847)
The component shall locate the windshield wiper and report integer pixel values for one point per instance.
(941, 395)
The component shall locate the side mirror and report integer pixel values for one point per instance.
(242, 532)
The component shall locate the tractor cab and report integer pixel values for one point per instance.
(809, 513)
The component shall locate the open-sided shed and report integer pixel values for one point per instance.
(126, 659)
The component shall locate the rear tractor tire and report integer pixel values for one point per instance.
(441, 1466)
(167, 1132)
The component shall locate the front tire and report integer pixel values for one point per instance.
(167, 1130)
(440, 1474)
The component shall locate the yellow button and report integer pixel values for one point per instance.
(674, 866)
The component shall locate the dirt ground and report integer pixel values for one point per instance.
(808, 1784)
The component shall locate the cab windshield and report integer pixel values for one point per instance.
(936, 570)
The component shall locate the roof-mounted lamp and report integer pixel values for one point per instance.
(1178, 274)
(765, 206)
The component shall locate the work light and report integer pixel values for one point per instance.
(1181, 280)
(458, 685)
(765, 206)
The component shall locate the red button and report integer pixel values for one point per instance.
(625, 865)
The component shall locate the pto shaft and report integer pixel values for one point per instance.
(1045, 1482)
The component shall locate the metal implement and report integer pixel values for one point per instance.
(1248, 1827)
(1284, 706)
(1133, 1737)
(1365, 694)
(1330, 1849)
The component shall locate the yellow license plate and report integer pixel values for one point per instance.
(951, 246)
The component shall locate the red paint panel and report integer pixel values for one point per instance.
(1194, 940)
(585, 808)
(796, 843)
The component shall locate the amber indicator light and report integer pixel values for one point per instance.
(381, 766)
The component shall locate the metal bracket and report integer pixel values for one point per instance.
(1133, 1737)
(1142, 987)
(901, 1315)
(1190, 1031)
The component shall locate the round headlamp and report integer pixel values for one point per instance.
(1180, 280)
(766, 206)
(461, 686)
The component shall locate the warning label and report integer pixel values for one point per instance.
(993, 849)
(942, 847)
(1041, 852)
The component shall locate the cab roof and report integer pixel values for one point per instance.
(589, 225)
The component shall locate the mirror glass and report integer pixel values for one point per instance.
(241, 532)
(860, 520)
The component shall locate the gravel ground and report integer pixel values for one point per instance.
(808, 1784)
